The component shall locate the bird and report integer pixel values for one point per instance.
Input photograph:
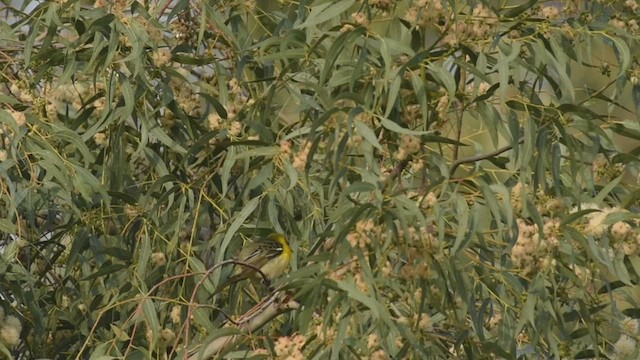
(272, 255)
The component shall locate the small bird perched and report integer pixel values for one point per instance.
(271, 255)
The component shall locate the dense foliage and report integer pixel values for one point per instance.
(457, 179)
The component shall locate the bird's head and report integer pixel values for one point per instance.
(282, 240)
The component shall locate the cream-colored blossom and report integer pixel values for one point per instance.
(167, 335)
(175, 314)
(100, 138)
(19, 117)
(360, 18)
(625, 345)
(235, 129)
(158, 259)
(373, 341)
(550, 12)
(631, 4)
(620, 230)
(9, 336)
(213, 121)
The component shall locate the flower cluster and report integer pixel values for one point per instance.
(10, 328)
(70, 93)
(326, 334)
(161, 57)
(422, 238)
(623, 235)
(7, 134)
(19, 117)
(624, 347)
(550, 12)
(604, 171)
(474, 27)
(185, 93)
(630, 325)
(240, 98)
(423, 320)
(625, 17)
(300, 158)
(137, 24)
(353, 268)
(408, 145)
(165, 337)
(426, 13)
(174, 315)
(482, 87)
(217, 123)
(420, 245)
(532, 251)
(47, 101)
(158, 259)
(22, 92)
(545, 204)
(595, 221)
(360, 18)
(290, 347)
(442, 108)
(412, 114)
(424, 201)
(384, 5)
(361, 236)
(373, 346)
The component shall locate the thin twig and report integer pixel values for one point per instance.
(459, 112)
(192, 302)
(482, 156)
(397, 170)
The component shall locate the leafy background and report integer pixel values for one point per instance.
(457, 179)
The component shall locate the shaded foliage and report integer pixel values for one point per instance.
(457, 179)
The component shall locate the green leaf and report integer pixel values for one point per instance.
(238, 221)
(263, 175)
(144, 249)
(578, 333)
(599, 199)
(325, 12)
(570, 218)
(105, 270)
(445, 78)
(392, 126)
(393, 92)
(292, 173)
(623, 54)
(5, 351)
(462, 236)
(7, 227)
(151, 317)
(102, 24)
(378, 311)
(519, 9)
(337, 48)
(633, 313)
(367, 134)
(268, 152)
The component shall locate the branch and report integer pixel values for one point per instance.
(220, 288)
(397, 171)
(278, 303)
(482, 156)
